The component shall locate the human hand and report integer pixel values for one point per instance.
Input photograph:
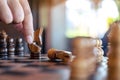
(18, 12)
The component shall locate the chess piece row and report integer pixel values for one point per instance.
(8, 49)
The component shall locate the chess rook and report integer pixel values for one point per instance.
(19, 49)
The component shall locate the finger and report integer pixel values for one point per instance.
(19, 27)
(5, 13)
(17, 10)
(28, 21)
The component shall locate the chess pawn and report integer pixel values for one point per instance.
(19, 49)
(11, 48)
(3, 45)
(3, 53)
(65, 56)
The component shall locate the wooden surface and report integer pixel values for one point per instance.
(23, 68)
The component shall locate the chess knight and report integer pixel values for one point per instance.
(35, 47)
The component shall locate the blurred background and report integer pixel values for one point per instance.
(66, 19)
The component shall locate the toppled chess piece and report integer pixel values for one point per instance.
(54, 54)
(35, 47)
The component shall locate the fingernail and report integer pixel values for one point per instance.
(29, 39)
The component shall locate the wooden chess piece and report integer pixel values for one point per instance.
(82, 44)
(35, 47)
(19, 49)
(83, 66)
(54, 54)
(114, 52)
(3, 45)
(11, 48)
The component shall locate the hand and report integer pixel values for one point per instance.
(18, 12)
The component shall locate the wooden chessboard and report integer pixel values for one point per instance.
(23, 68)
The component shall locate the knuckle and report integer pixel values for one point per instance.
(18, 16)
(18, 19)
